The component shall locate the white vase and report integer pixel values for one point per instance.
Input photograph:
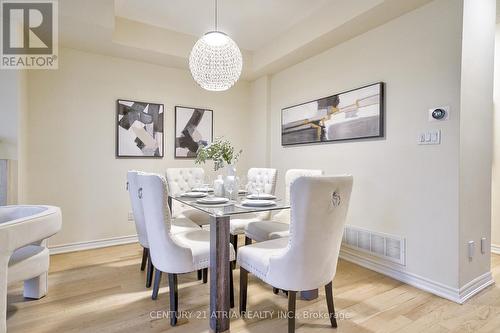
(230, 182)
(230, 170)
(219, 186)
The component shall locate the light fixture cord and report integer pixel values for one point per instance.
(215, 15)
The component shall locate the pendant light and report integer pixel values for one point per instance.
(215, 60)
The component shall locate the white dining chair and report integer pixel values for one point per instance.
(279, 225)
(171, 253)
(178, 225)
(265, 178)
(307, 259)
(181, 180)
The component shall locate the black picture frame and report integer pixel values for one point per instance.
(176, 122)
(381, 120)
(161, 121)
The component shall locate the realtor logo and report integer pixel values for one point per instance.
(29, 34)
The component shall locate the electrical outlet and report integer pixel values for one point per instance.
(483, 245)
(470, 250)
(130, 216)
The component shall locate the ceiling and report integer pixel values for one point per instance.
(252, 23)
(272, 34)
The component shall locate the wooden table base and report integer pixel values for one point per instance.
(219, 274)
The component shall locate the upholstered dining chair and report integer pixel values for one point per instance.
(178, 225)
(182, 180)
(307, 259)
(265, 178)
(279, 225)
(173, 254)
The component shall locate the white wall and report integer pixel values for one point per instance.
(8, 113)
(495, 188)
(476, 134)
(399, 187)
(438, 197)
(258, 122)
(71, 136)
(11, 95)
(13, 108)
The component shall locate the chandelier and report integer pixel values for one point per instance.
(215, 60)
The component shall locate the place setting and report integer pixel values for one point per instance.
(255, 203)
(257, 197)
(261, 196)
(194, 194)
(199, 190)
(205, 188)
(247, 196)
(213, 201)
(206, 199)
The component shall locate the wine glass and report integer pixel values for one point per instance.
(209, 181)
(250, 187)
(258, 190)
(236, 186)
(197, 184)
(243, 183)
(229, 187)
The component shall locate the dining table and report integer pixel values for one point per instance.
(220, 215)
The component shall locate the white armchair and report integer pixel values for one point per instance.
(178, 225)
(171, 253)
(307, 259)
(279, 225)
(24, 256)
(182, 180)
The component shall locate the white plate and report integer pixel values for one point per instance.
(212, 200)
(210, 205)
(262, 196)
(257, 203)
(203, 189)
(194, 194)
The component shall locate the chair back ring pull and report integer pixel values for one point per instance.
(335, 199)
(139, 193)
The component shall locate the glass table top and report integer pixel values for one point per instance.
(233, 207)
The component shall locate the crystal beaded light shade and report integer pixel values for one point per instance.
(215, 61)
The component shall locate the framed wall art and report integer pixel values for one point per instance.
(193, 127)
(353, 114)
(139, 130)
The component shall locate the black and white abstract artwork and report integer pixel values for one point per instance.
(139, 129)
(193, 127)
(354, 114)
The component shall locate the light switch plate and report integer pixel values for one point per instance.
(429, 137)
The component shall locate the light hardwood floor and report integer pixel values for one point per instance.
(103, 291)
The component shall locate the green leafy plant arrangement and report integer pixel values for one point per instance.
(220, 151)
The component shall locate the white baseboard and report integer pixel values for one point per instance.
(475, 286)
(89, 245)
(396, 272)
(495, 248)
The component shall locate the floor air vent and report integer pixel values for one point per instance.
(385, 246)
